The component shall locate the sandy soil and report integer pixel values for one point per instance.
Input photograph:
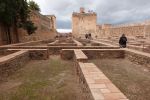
(51, 79)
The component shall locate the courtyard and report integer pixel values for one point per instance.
(73, 69)
(99, 52)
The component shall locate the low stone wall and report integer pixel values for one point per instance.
(130, 45)
(104, 53)
(53, 43)
(26, 43)
(57, 49)
(134, 56)
(30, 43)
(4, 52)
(94, 53)
(36, 54)
(23, 47)
(64, 44)
(138, 57)
(139, 48)
(58, 43)
(147, 49)
(67, 54)
(95, 85)
(84, 41)
(102, 43)
(77, 42)
(11, 63)
(87, 95)
(80, 56)
(41, 54)
(93, 43)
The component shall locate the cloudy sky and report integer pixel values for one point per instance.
(108, 11)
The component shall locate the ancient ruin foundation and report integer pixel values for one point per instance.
(73, 69)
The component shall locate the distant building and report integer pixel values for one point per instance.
(84, 22)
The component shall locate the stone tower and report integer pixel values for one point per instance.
(84, 22)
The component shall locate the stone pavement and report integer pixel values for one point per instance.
(80, 56)
(100, 86)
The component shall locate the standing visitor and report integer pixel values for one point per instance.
(86, 36)
(123, 41)
(89, 36)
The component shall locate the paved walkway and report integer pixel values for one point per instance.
(100, 86)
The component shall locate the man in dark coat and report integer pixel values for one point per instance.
(123, 41)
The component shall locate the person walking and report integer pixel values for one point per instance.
(123, 41)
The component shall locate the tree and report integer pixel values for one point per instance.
(14, 13)
(34, 6)
(29, 26)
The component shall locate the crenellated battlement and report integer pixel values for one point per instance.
(84, 14)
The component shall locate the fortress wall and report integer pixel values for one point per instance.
(147, 31)
(131, 31)
(45, 29)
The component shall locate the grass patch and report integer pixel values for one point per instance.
(133, 80)
(52, 79)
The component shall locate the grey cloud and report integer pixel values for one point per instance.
(62, 24)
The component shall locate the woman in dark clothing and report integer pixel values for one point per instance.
(123, 41)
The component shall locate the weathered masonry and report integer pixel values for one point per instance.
(83, 23)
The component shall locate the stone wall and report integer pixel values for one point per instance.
(95, 85)
(45, 25)
(35, 54)
(4, 52)
(46, 30)
(52, 20)
(39, 54)
(13, 62)
(104, 53)
(31, 43)
(22, 47)
(129, 30)
(87, 95)
(57, 49)
(138, 57)
(147, 31)
(68, 54)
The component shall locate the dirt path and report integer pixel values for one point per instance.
(133, 80)
(51, 79)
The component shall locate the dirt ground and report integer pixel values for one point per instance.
(133, 80)
(52, 79)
